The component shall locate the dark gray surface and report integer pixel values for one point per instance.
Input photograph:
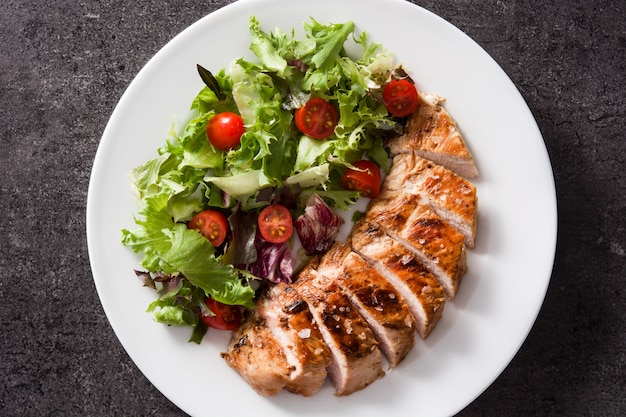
(63, 66)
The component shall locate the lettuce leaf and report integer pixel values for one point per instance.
(264, 46)
(171, 248)
(179, 303)
(329, 40)
(192, 255)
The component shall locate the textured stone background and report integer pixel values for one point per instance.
(65, 63)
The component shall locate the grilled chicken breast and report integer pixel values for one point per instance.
(419, 288)
(257, 356)
(434, 135)
(449, 195)
(389, 279)
(292, 325)
(375, 298)
(432, 241)
(356, 359)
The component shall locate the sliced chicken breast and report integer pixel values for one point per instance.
(418, 287)
(292, 325)
(434, 135)
(356, 359)
(432, 241)
(452, 197)
(256, 355)
(375, 298)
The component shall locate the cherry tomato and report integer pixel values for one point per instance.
(211, 224)
(400, 97)
(275, 223)
(366, 181)
(317, 118)
(226, 317)
(224, 130)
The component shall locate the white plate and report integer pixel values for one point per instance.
(509, 270)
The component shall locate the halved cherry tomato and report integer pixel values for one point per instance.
(400, 97)
(317, 118)
(275, 223)
(211, 224)
(226, 317)
(366, 181)
(224, 130)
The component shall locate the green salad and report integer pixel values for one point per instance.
(275, 148)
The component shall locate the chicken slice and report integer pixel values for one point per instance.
(255, 354)
(291, 323)
(434, 135)
(432, 241)
(452, 197)
(375, 298)
(356, 359)
(419, 288)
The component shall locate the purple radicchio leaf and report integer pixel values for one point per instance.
(274, 261)
(318, 226)
(146, 279)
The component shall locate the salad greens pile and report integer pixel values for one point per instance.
(274, 162)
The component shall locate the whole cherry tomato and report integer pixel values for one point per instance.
(224, 130)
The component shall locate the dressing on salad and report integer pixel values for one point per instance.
(311, 114)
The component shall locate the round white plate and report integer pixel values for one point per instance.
(509, 270)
